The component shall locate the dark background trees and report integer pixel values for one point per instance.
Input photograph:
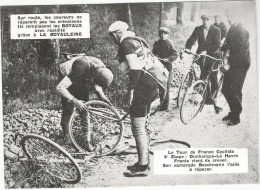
(30, 67)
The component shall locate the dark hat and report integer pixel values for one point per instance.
(205, 16)
(165, 29)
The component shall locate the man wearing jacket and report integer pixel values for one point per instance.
(222, 26)
(208, 38)
(237, 43)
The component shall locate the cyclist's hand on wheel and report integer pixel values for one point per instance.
(80, 105)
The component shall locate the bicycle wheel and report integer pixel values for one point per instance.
(185, 84)
(51, 157)
(193, 101)
(101, 124)
(218, 96)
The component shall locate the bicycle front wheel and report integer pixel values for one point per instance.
(51, 157)
(185, 84)
(99, 126)
(193, 101)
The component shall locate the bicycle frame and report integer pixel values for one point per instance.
(208, 82)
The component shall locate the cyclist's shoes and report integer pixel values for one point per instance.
(227, 117)
(137, 171)
(218, 109)
(136, 165)
(89, 147)
(234, 121)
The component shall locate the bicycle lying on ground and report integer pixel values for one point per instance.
(44, 154)
(195, 97)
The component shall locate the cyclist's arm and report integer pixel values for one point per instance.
(174, 54)
(135, 70)
(62, 88)
(192, 39)
(99, 92)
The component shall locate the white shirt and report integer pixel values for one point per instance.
(206, 30)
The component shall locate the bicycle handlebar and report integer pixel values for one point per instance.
(205, 55)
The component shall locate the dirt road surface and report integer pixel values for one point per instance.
(206, 131)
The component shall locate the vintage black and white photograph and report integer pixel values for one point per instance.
(125, 94)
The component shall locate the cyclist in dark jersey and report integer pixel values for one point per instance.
(79, 76)
(143, 90)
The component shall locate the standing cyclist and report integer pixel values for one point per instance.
(143, 90)
(208, 37)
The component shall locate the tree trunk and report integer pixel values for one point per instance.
(44, 53)
(179, 13)
(129, 17)
(193, 12)
(161, 14)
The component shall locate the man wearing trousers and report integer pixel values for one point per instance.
(237, 43)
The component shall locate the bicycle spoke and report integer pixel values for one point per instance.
(192, 102)
(101, 123)
(51, 158)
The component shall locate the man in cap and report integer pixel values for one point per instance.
(237, 42)
(143, 90)
(164, 49)
(79, 76)
(208, 37)
(222, 26)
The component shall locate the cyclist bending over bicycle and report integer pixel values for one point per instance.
(208, 37)
(80, 74)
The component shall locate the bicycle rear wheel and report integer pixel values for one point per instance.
(193, 101)
(51, 157)
(185, 84)
(101, 122)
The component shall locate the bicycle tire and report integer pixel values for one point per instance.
(187, 79)
(50, 156)
(218, 95)
(106, 129)
(195, 96)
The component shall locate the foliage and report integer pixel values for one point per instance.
(27, 84)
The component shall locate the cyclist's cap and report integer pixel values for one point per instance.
(118, 26)
(165, 30)
(205, 16)
(217, 16)
(104, 77)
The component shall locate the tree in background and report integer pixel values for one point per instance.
(161, 14)
(129, 17)
(179, 12)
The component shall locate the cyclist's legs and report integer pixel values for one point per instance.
(67, 110)
(143, 96)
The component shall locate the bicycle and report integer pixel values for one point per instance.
(187, 80)
(104, 125)
(106, 128)
(195, 97)
(44, 154)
